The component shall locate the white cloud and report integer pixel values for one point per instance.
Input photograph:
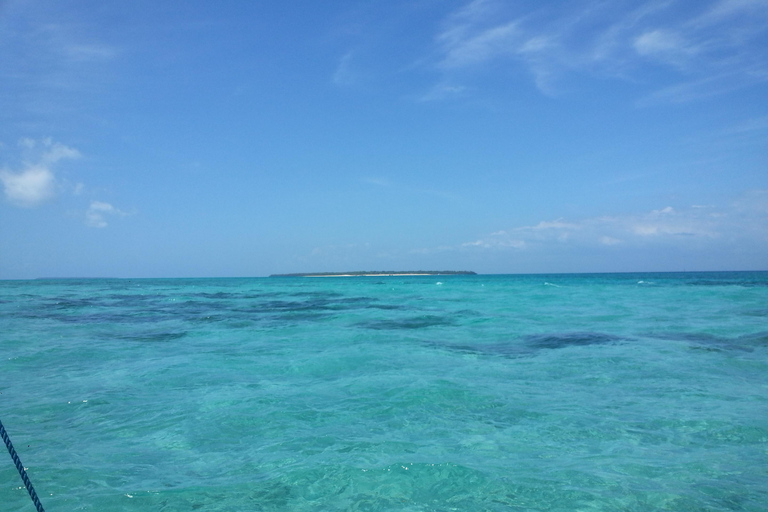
(46, 151)
(96, 216)
(55, 152)
(35, 182)
(29, 187)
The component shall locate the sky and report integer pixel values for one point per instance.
(233, 138)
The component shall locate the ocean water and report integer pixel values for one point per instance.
(606, 392)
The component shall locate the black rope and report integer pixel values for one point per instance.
(20, 467)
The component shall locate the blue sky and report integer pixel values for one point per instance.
(231, 138)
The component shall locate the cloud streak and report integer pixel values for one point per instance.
(711, 48)
(54, 64)
(744, 220)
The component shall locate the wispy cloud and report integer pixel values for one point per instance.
(745, 218)
(706, 49)
(345, 75)
(472, 47)
(97, 214)
(50, 61)
(35, 182)
(666, 46)
(758, 124)
(443, 91)
(88, 52)
(379, 182)
(750, 11)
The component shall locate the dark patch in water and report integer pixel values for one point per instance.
(758, 339)
(288, 305)
(218, 295)
(506, 349)
(387, 307)
(297, 317)
(261, 295)
(154, 337)
(316, 294)
(469, 313)
(510, 350)
(146, 317)
(713, 343)
(415, 322)
(692, 337)
(355, 302)
(755, 312)
(569, 339)
(317, 303)
(139, 297)
(706, 349)
(529, 345)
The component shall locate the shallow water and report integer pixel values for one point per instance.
(607, 392)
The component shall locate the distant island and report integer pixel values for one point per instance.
(382, 273)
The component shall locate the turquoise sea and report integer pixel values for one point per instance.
(602, 392)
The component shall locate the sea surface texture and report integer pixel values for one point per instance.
(605, 392)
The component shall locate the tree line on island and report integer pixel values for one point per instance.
(380, 273)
